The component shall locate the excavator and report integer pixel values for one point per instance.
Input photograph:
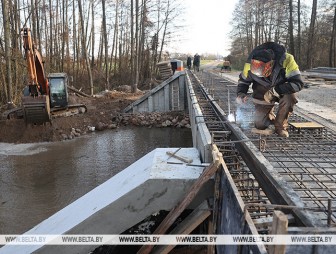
(43, 96)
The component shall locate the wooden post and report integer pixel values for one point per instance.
(279, 227)
(211, 248)
(175, 212)
(186, 226)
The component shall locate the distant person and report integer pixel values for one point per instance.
(173, 66)
(189, 62)
(196, 62)
(276, 78)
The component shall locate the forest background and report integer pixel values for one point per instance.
(103, 44)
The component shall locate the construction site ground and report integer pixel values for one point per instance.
(101, 109)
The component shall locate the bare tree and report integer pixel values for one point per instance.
(84, 48)
(107, 84)
(310, 47)
(65, 32)
(5, 12)
(298, 57)
(93, 33)
(136, 81)
(165, 22)
(74, 43)
(132, 41)
(38, 26)
(115, 40)
(51, 35)
(291, 28)
(332, 49)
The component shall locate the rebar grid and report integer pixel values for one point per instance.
(306, 160)
(248, 187)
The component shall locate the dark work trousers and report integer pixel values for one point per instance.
(264, 115)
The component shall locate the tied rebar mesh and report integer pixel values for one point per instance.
(306, 160)
(248, 187)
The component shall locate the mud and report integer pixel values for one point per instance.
(102, 109)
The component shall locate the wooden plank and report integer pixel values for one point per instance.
(176, 211)
(186, 226)
(306, 125)
(279, 227)
(211, 247)
(212, 228)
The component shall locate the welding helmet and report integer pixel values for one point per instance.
(262, 62)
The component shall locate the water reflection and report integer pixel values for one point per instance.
(37, 180)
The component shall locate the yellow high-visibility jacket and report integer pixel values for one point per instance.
(285, 77)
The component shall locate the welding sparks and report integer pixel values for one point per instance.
(231, 117)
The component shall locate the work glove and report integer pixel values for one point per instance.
(271, 95)
(241, 98)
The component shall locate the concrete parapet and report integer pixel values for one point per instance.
(200, 132)
(170, 95)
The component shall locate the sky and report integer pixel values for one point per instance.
(207, 25)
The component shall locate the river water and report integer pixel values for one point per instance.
(37, 180)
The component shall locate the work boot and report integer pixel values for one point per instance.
(262, 116)
(286, 104)
(268, 131)
(282, 133)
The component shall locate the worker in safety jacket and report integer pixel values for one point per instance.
(276, 78)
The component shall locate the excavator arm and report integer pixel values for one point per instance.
(37, 82)
(36, 105)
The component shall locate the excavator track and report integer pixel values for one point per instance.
(19, 113)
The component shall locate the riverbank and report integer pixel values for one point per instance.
(104, 112)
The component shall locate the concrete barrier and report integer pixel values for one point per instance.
(170, 95)
(200, 132)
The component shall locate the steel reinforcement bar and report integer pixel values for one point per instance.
(298, 172)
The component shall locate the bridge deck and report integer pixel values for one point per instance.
(300, 170)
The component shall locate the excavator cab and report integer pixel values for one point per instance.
(58, 92)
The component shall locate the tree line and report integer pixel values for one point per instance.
(307, 28)
(100, 43)
(106, 43)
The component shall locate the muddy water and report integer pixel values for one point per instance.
(37, 180)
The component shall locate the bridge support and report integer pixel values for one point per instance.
(155, 182)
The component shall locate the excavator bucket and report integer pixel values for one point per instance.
(36, 110)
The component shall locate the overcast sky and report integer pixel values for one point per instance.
(207, 24)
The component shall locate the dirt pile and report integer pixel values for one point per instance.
(104, 111)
